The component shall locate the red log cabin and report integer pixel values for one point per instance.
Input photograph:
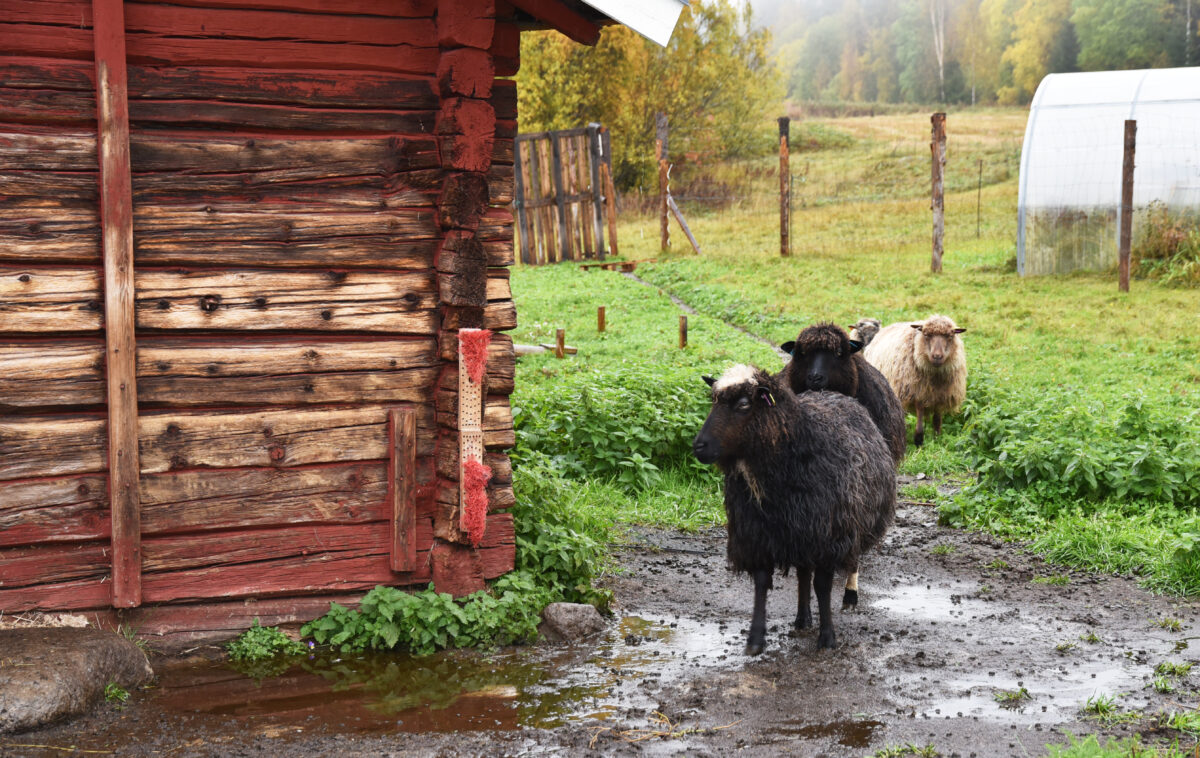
(238, 239)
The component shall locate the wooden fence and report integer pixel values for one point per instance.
(559, 196)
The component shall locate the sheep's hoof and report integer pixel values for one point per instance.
(755, 648)
(850, 600)
(803, 620)
(919, 438)
(826, 640)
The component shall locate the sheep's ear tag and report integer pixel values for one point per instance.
(766, 396)
(710, 381)
(788, 347)
(855, 346)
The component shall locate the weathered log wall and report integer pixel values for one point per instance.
(319, 204)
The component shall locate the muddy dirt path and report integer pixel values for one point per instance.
(946, 621)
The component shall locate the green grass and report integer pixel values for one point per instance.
(942, 549)
(1057, 580)
(1171, 668)
(1104, 708)
(1131, 747)
(1011, 698)
(1083, 413)
(1168, 623)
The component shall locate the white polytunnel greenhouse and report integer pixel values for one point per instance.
(1068, 211)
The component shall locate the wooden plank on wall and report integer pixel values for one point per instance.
(55, 509)
(116, 215)
(50, 300)
(402, 465)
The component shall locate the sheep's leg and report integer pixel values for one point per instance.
(937, 422)
(823, 584)
(758, 622)
(850, 596)
(919, 432)
(803, 593)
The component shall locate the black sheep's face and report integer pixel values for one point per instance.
(738, 397)
(822, 361)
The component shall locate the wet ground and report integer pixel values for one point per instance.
(947, 622)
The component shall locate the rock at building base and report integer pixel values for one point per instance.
(49, 674)
(569, 622)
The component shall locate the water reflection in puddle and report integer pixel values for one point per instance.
(455, 690)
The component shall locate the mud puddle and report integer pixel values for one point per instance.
(951, 629)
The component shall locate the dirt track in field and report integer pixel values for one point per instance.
(947, 620)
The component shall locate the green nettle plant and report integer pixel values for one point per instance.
(260, 643)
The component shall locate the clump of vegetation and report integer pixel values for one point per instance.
(1090, 638)
(942, 549)
(115, 693)
(1065, 647)
(1168, 623)
(559, 554)
(260, 643)
(1104, 709)
(1168, 247)
(1011, 698)
(898, 751)
(1090, 747)
(1172, 668)
(1056, 580)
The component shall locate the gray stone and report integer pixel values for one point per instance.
(569, 622)
(48, 674)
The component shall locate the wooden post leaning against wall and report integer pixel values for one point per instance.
(1125, 240)
(610, 192)
(116, 220)
(937, 147)
(785, 187)
(660, 155)
(595, 160)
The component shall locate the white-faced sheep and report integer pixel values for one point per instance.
(809, 485)
(926, 364)
(825, 358)
(865, 330)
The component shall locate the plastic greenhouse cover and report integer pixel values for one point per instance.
(1073, 150)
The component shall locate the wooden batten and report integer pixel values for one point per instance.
(116, 214)
(401, 482)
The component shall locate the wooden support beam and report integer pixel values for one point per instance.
(402, 473)
(116, 219)
(610, 192)
(595, 160)
(785, 188)
(560, 16)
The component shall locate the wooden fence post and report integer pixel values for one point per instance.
(660, 154)
(938, 148)
(116, 222)
(610, 192)
(401, 487)
(539, 253)
(560, 343)
(785, 188)
(595, 159)
(682, 332)
(600, 319)
(979, 200)
(1126, 205)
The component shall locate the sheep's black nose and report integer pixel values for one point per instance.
(817, 381)
(702, 451)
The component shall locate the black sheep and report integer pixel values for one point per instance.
(825, 358)
(809, 484)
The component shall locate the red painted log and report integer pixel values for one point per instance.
(468, 127)
(560, 16)
(457, 569)
(467, 72)
(466, 24)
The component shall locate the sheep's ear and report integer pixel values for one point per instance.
(765, 395)
(855, 346)
(710, 381)
(918, 327)
(788, 346)
(960, 330)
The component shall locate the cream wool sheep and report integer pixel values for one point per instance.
(926, 364)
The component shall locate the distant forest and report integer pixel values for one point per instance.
(966, 51)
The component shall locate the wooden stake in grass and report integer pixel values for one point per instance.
(937, 147)
(785, 188)
(560, 343)
(979, 200)
(600, 319)
(682, 332)
(1126, 205)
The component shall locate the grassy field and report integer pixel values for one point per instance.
(1081, 422)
